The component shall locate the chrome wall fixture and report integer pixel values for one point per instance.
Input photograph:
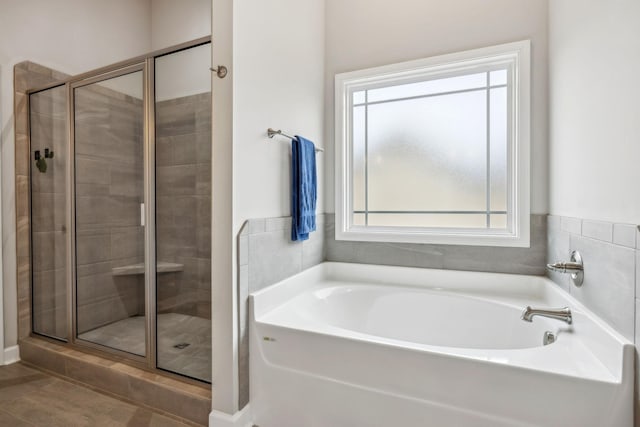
(575, 267)
(221, 71)
(272, 132)
(563, 314)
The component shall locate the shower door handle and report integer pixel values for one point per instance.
(142, 215)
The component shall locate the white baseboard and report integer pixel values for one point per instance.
(241, 418)
(11, 355)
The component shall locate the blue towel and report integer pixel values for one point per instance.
(304, 188)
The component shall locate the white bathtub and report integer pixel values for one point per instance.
(363, 345)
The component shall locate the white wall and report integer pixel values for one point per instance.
(367, 33)
(223, 292)
(174, 22)
(71, 36)
(183, 73)
(279, 80)
(595, 109)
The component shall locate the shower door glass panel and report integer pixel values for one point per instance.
(48, 129)
(183, 211)
(109, 185)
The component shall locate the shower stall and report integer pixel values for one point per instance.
(120, 198)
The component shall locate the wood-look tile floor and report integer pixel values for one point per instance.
(29, 398)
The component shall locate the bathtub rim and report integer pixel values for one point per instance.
(599, 334)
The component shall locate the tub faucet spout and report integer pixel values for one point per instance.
(563, 314)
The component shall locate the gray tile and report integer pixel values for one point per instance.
(598, 230)
(499, 260)
(90, 171)
(637, 331)
(609, 282)
(275, 224)
(243, 317)
(476, 258)
(244, 229)
(243, 250)
(272, 257)
(637, 374)
(176, 180)
(313, 250)
(184, 149)
(243, 293)
(203, 179)
(624, 235)
(553, 222)
(407, 255)
(257, 225)
(638, 275)
(92, 249)
(558, 249)
(571, 225)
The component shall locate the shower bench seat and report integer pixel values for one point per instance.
(162, 267)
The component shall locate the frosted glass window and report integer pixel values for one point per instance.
(428, 154)
(498, 148)
(429, 87)
(436, 150)
(432, 153)
(498, 77)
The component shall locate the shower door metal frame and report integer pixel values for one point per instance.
(148, 200)
(146, 64)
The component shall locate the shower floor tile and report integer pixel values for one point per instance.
(184, 342)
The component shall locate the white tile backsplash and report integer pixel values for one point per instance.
(571, 225)
(609, 282)
(624, 235)
(598, 230)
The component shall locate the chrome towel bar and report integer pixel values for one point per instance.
(272, 132)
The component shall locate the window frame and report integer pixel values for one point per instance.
(516, 56)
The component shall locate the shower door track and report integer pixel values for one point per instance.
(146, 64)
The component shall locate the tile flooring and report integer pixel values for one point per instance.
(29, 398)
(174, 331)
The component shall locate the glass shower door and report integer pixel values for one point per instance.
(48, 159)
(183, 211)
(109, 211)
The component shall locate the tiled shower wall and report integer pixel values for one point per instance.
(183, 203)
(109, 191)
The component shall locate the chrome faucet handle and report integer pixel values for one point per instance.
(566, 267)
(574, 266)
